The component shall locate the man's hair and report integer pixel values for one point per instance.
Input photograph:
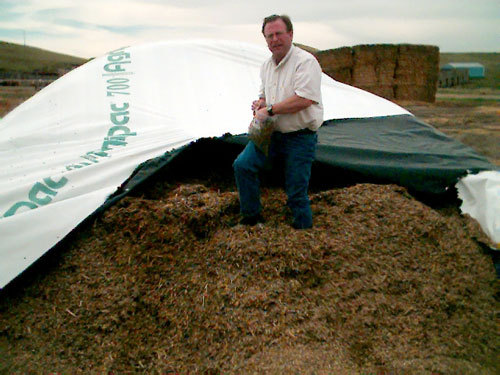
(274, 17)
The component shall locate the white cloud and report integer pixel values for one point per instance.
(132, 12)
(93, 27)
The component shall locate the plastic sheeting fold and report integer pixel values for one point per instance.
(68, 149)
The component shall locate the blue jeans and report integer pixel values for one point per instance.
(297, 150)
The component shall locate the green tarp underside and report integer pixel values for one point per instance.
(394, 149)
(400, 149)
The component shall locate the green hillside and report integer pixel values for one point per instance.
(16, 58)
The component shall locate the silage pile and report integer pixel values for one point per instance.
(381, 284)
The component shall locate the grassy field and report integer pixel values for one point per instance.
(25, 59)
(474, 122)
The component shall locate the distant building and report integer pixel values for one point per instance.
(475, 70)
(452, 77)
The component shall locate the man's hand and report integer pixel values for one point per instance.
(262, 114)
(258, 104)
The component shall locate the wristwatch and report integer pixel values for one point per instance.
(270, 110)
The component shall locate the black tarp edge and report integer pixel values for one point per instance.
(335, 137)
(397, 149)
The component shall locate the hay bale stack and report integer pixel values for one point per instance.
(337, 63)
(417, 72)
(415, 92)
(387, 55)
(365, 61)
(374, 67)
(405, 72)
(385, 91)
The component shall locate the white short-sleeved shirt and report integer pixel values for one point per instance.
(298, 73)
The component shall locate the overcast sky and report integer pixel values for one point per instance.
(90, 28)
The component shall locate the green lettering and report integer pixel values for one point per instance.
(116, 109)
(73, 166)
(40, 188)
(11, 211)
(55, 185)
(118, 56)
(116, 121)
(115, 66)
(112, 141)
(114, 129)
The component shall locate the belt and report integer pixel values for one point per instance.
(301, 131)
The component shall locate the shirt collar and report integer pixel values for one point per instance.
(287, 56)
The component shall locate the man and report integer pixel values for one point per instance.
(291, 94)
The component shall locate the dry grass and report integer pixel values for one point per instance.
(475, 123)
(381, 284)
(12, 96)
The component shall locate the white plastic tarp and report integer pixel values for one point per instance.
(66, 150)
(480, 195)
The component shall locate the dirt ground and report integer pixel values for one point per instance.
(166, 282)
(475, 123)
(12, 96)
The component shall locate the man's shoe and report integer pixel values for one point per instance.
(252, 220)
(300, 226)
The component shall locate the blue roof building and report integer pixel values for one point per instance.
(476, 70)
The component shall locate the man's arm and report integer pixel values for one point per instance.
(293, 104)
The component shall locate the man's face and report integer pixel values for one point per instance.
(278, 39)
